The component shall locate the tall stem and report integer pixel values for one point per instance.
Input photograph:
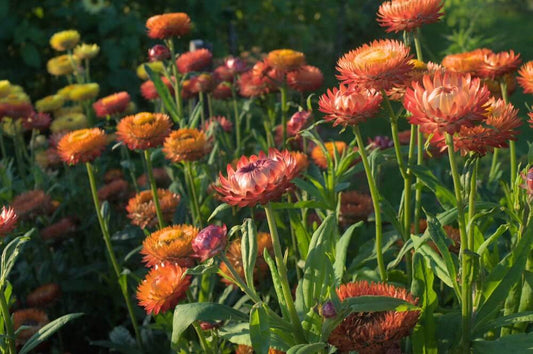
(237, 122)
(153, 186)
(395, 137)
(472, 203)
(202, 111)
(466, 309)
(418, 191)
(192, 194)
(418, 47)
(176, 83)
(111, 253)
(512, 144)
(284, 110)
(8, 323)
(374, 193)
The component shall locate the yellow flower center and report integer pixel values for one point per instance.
(143, 118)
(373, 56)
(80, 135)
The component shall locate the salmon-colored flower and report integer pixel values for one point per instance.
(65, 40)
(525, 77)
(186, 145)
(141, 208)
(59, 231)
(373, 332)
(285, 60)
(31, 204)
(44, 295)
(420, 69)
(162, 180)
(169, 25)
(33, 319)
(348, 105)
(355, 207)
(218, 121)
(320, 158)
(39, 121)
(468, 62)
(164, 286)
(250, 86)
(170, 244)
(496, 65)
(149, 92)
(202, 83)
(306, 79)
(444, 102)
(143, 130)
(378, 65)
(223, 73)
(82, 145)
(115, 192)
(8, 220)
(257, 179)
(113, 104)
(266, 75)
(197, 60)
(298, 121)
(407, 15)
(222, 91)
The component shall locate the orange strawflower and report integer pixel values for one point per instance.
(141, 208)
(31, 204)
(33, 319)
(44, 295)
(197, 60)
(186, 145)
(171, 244)
(285, 59)
(164, 286)
(8, 220)
(420, 69)
(264, 74)
(113, 104)
(143, 130)
(348, 105)
(59, 230)
(496, 65)
(355, 207)
(373, 332)
(378, 65)
(407, 15)
(468, 62)
(302, 162)
(525, 77)
(164, 26)
(257, 179)
(306, 79)
(82, 145)
(444, 102)
(320, 158)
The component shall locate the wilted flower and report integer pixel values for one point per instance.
(33, 319)
(31, 204)
(141, 208)
(169, 25)
(355, 207)
(298, 122)
(525, 77)
(317, 154)
(44, 295)
(59, 231)
(65, 40)
(170, 244)
(285, 60)
(112, 104)
(143, 130)
(186, 145)
(86, 51)
(49, 103)
(257, 179)
(306, 79)
(158, 52)
(197, 60)
(62, 65)
(209, 242)
(164, 286)
(8, 220)
(82, 145)
(496, 65)
(402, 15)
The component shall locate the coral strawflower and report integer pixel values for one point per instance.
(33, 319)
(222, 73)
(444, 102)
(170, 244)
(64, 40)
(250, 86)
(197, 60)
(355, 207)
(31, 204)
(59, 231)
(468, 62)
(317, 154)
(44, 295)
(348, 105)
(164, 286)
(141, 208)
(495, 65)
(267, 75)
(257, 179)
(202, 83)
(112, 104)
(82, 145)
(378, 65)
(49, 103)
(407, 15)
(149, 92)
(8, 220)
(186, 145)
(306, 79)
(169, 25)
(222, 91)
(285, 60)
(373, 332)
(525, 77)
(143, 130)
(115, 192)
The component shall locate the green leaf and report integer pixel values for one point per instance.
(302, 235)
(445, 196)
(260, 328)
(277, 283)
(377, 303)
(484, 246)
(516, 343)
(163, 93)
(47, 331)
(304, 204)
(249, 251)
(10, 254)
(507, 321)
(341, 249)
(186, 314)
(30, 55)
(218, 209)
(237, 333)
(307, 348)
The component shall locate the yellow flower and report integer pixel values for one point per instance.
(5, 88)
(86, 51)
(69, 122)
(65, 40)
(156, 66)
(62, 65)
(49, 103)
(67, 110)
(15, 98)
(11, 126)
(83, 92)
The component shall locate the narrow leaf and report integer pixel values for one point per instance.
(260, 329)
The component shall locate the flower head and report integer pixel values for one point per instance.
(285, 60)
(39, 121)
(444, 102)
(210, 241)
(143, 130)
(116, 191)
(156, 66)
(50, 103)
(378, 65)
(302, 162)
(202, 83)
(320, 159)
(84, 92)
(164, 286)
(59, 231)
(86, 51)
(170, 244)
(373, 332)
(113, 104)
(355, 207)
(31, 204)
(236, 65)
(223, 73)
(257, 179)
(82, 145)
(141, 208)
(33, 319)
(220, 122)
(149, 92)
(186, 145)
(306, 79)
(61, 65)
(8, 220)
(222, 91)
(65, 40)
(525, 77)
(349, 105)
(468, 62)
(44, 295)
(197, 60)
(250, 86)
(496, 65)
(298, 121)
(158, 52)
(69, 122)
(407, 15)
(176, 24)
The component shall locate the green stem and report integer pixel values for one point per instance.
(472, 203)
(418, 47)
(201, 103)
(374, 193)
(284, 110)
(282, 270)
(237, 122)
(512, 144)
(493, 164)
(418, 191)
(466, 310)
(192, 194)
(176, 83)
(153, 186)
(8, 323)
(395, 137)
(111, 253)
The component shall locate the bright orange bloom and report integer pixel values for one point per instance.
(169, 25)
(31, 204)
(318, 155)
(82, 145)
(197, 60)
(496, 65)
(373, 332)
(258, 179)
(302, 162)
(143, 130)
(141, 208)
(164, 286)
(407, 15)
(44, 295)
(468, 62)
(59, 230)
(170, 244)
(149, 92)
(444, 102)
(33, 319)
(355, 207)
(348, 105)
(186, 145)
(8, 220)
(306, 79)
(525, 77)
(378, 65)
(113, 104)
(285, 60)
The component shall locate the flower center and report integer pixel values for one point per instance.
(443, 97)
(80, 135)
(373, 56)
(143, 118)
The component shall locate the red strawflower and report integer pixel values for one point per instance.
(298, 121)
(525, 77)
(250, 86)
(407, 15)
(202, 83)
(39, 121)
(8, 220)
(164, 26)
(268, 76)
(158, 52)
(209, 242)
(222, 91)
(496, 65)
(15, 110)
(113, 104)
(197, 60)
(223, 73)
(306, 79)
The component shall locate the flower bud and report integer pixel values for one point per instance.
(204, 325)
(328, 310)
(210, 241)
(298, 121)
(158, 52)
(529, 180)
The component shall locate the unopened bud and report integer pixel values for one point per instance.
(158, 52)
(210, 241)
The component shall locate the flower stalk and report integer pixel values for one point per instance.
(153, 186)
(8, 323)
